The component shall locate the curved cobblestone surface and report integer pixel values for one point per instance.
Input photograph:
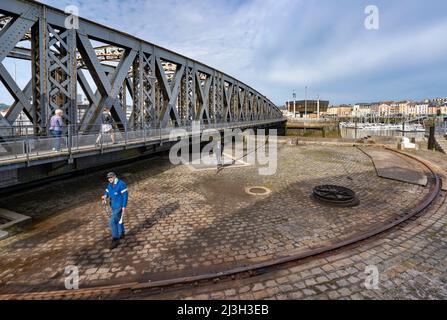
(182, 222)
(411, 262)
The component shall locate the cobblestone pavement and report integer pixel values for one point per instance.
(411, 262)
(182, 223)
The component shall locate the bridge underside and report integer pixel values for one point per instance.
(144, 85)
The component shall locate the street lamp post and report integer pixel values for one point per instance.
(294, 106)
(305, 102)
(318, 107)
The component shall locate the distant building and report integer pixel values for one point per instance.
(3, 107)
(443, 109)
(364, 109)
(400, 108)
(433, 110)
(405, 108)
(421, 108)
(309, 108)
(439, 101)
(385, 109)
(343, 110)
(82, 109)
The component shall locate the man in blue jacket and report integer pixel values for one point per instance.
(117, 192)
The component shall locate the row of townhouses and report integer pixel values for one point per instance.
(391, 108)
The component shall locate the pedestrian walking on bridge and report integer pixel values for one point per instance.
(107, 127)
(57, 126)
(117, 192)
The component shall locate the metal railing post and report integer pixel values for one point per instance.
(125, 136)
(102, 140)
(77, 139)
(70, 126)
(161, 143)
(27, 147)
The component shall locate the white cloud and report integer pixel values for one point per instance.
(279, 45)
(362, 56)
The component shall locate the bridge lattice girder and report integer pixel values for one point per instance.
(166, 88)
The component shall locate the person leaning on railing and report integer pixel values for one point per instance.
(56, 127)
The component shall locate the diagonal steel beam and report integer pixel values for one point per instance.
(161, 75)
(83, 82)
(241, 101)
(118, 82)
(94, 66)
(108, 89)
(203, 97)
(121, 72)
(18, 106)
(172, 104)
(14, 32)
(12, 86)
(228, 95)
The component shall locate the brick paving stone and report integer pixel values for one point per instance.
(308, 292)
(321, 288)
(244, 289)
(230, 292)
(271, 283)
(258, 287)
(310, 282)
(297, 295)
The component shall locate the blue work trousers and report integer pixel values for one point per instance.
(116, 228)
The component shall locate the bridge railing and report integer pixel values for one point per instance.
(441, 125)
(34, 147)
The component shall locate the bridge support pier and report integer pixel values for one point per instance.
(281, 129)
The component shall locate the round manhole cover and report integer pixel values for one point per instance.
(257, 191)
(335, 195)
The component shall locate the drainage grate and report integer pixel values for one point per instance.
(335, 195)
(257, 191)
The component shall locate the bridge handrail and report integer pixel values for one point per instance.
(33, 146)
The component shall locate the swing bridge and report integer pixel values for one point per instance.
(149, 90)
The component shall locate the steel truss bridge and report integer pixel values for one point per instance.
(166, 88)
(148, 89)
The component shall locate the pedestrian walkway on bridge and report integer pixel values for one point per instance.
(31, 148)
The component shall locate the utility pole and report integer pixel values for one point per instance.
(318, 106)
(305, 102)
(294, 106)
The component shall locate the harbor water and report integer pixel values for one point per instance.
(351, 133)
